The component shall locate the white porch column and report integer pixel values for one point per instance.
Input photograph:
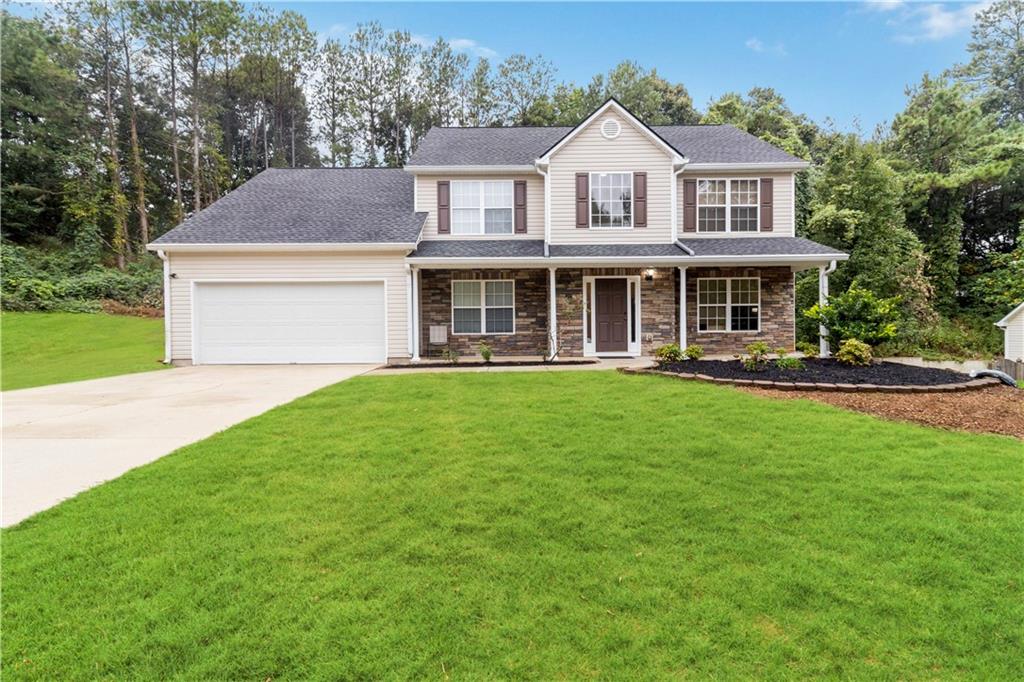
(823, 273)
(414, 317)
(552, 314)
(682, 306)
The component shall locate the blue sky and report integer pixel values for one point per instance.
(846, 61)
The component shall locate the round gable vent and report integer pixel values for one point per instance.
(610, 129)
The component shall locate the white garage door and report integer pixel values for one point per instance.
(280, 323)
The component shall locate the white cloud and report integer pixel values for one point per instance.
(757, 45)
(924, 22)
(458, 44)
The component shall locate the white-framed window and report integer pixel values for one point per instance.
(481, 206)
(728, 205)
(611, 200)
(483, 306)
(730, 304)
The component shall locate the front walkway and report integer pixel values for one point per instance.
(60, 440)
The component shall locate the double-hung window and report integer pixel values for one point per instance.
(729, 305)
(728, 205)
(611, 200)
(483, 306)
(481, 207)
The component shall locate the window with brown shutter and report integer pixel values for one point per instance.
(583, 200)
(689, 205)
(444, 211)
(520, 206)
(767, 212)
(639, 199)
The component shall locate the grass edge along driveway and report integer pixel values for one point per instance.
(545, 525)
(53, 348)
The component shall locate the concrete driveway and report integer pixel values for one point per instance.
(60, 440)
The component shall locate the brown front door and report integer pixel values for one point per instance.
(611, 315)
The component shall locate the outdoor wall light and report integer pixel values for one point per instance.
(649, 275)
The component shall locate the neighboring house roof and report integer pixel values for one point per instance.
(521, 146)
(703, 247)
(309, 206)
(757, 246)
(1009, 316)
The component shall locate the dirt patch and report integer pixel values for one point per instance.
(825, 371)
(112, 307)
(999, 409)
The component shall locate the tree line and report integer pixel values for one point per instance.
(122, 117)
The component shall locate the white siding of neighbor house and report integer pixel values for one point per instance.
(783, 202)
(426, 200)
(1013, 341)
(589, 152)
(188, 267)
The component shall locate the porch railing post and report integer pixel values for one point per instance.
(823, 273)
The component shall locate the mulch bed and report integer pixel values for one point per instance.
(500, 363)
(824, 371)
(997, 409)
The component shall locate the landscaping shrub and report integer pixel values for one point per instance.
(450, 355)
(485, 351)
(857, 314)
(789, 362)
(670, 352)
(854, 352)
(809, 349)
(757, 357)
(693, 352)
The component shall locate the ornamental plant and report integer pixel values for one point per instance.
(693, 352)
(857, 314)
(485, 351)
(784, 361)
(756, 359)
(854, 352)
(668, 353)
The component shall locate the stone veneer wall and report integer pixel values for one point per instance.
(777, 310)
(531, 298)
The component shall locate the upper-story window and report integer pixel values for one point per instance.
(481, 207)
(727, 205)
(611, 200)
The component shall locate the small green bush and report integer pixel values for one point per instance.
(756, 359)
(485, 351)
(809, 349)
(668, 353)
(857, 314)
(789, 362)
(854, 352)
(451, 355)
(693, 352)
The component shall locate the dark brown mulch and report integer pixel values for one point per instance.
(999, 409)
(825, 371)
(499, 363)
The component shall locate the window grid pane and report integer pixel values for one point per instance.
(611, 200)
(481, 207)
(728, 304)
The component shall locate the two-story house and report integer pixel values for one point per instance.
(609, 238)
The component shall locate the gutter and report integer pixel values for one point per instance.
(167, 305)
(752, 167)
(669, 261)
(468, 170)
(684, 247)
(319, 246)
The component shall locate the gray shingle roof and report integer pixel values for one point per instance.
(328, 205)
(757, 246)
(615, 251)
(521, 146)
(479, 248)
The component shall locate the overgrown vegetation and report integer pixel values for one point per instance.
(121, 118)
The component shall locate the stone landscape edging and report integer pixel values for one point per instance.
(972, 385)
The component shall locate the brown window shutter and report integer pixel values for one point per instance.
(767, 214)
(519, 204)
(583, 200)
(639, 199)
(444, 209)
(689, 205)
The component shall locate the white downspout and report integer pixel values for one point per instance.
(547, 205)
(408, 309)
(823, 273)
(682, 306)
(552, 314)
(675, 199)
(167, 305)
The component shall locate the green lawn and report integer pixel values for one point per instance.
(51, 348)
(533, 525)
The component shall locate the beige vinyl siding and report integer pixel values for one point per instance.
(782, 203)
(426, 200)
(188, 267)
(1014, 341)
(590, 152)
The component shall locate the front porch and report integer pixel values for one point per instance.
(620, 312)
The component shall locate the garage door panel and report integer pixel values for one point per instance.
(279, 322)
